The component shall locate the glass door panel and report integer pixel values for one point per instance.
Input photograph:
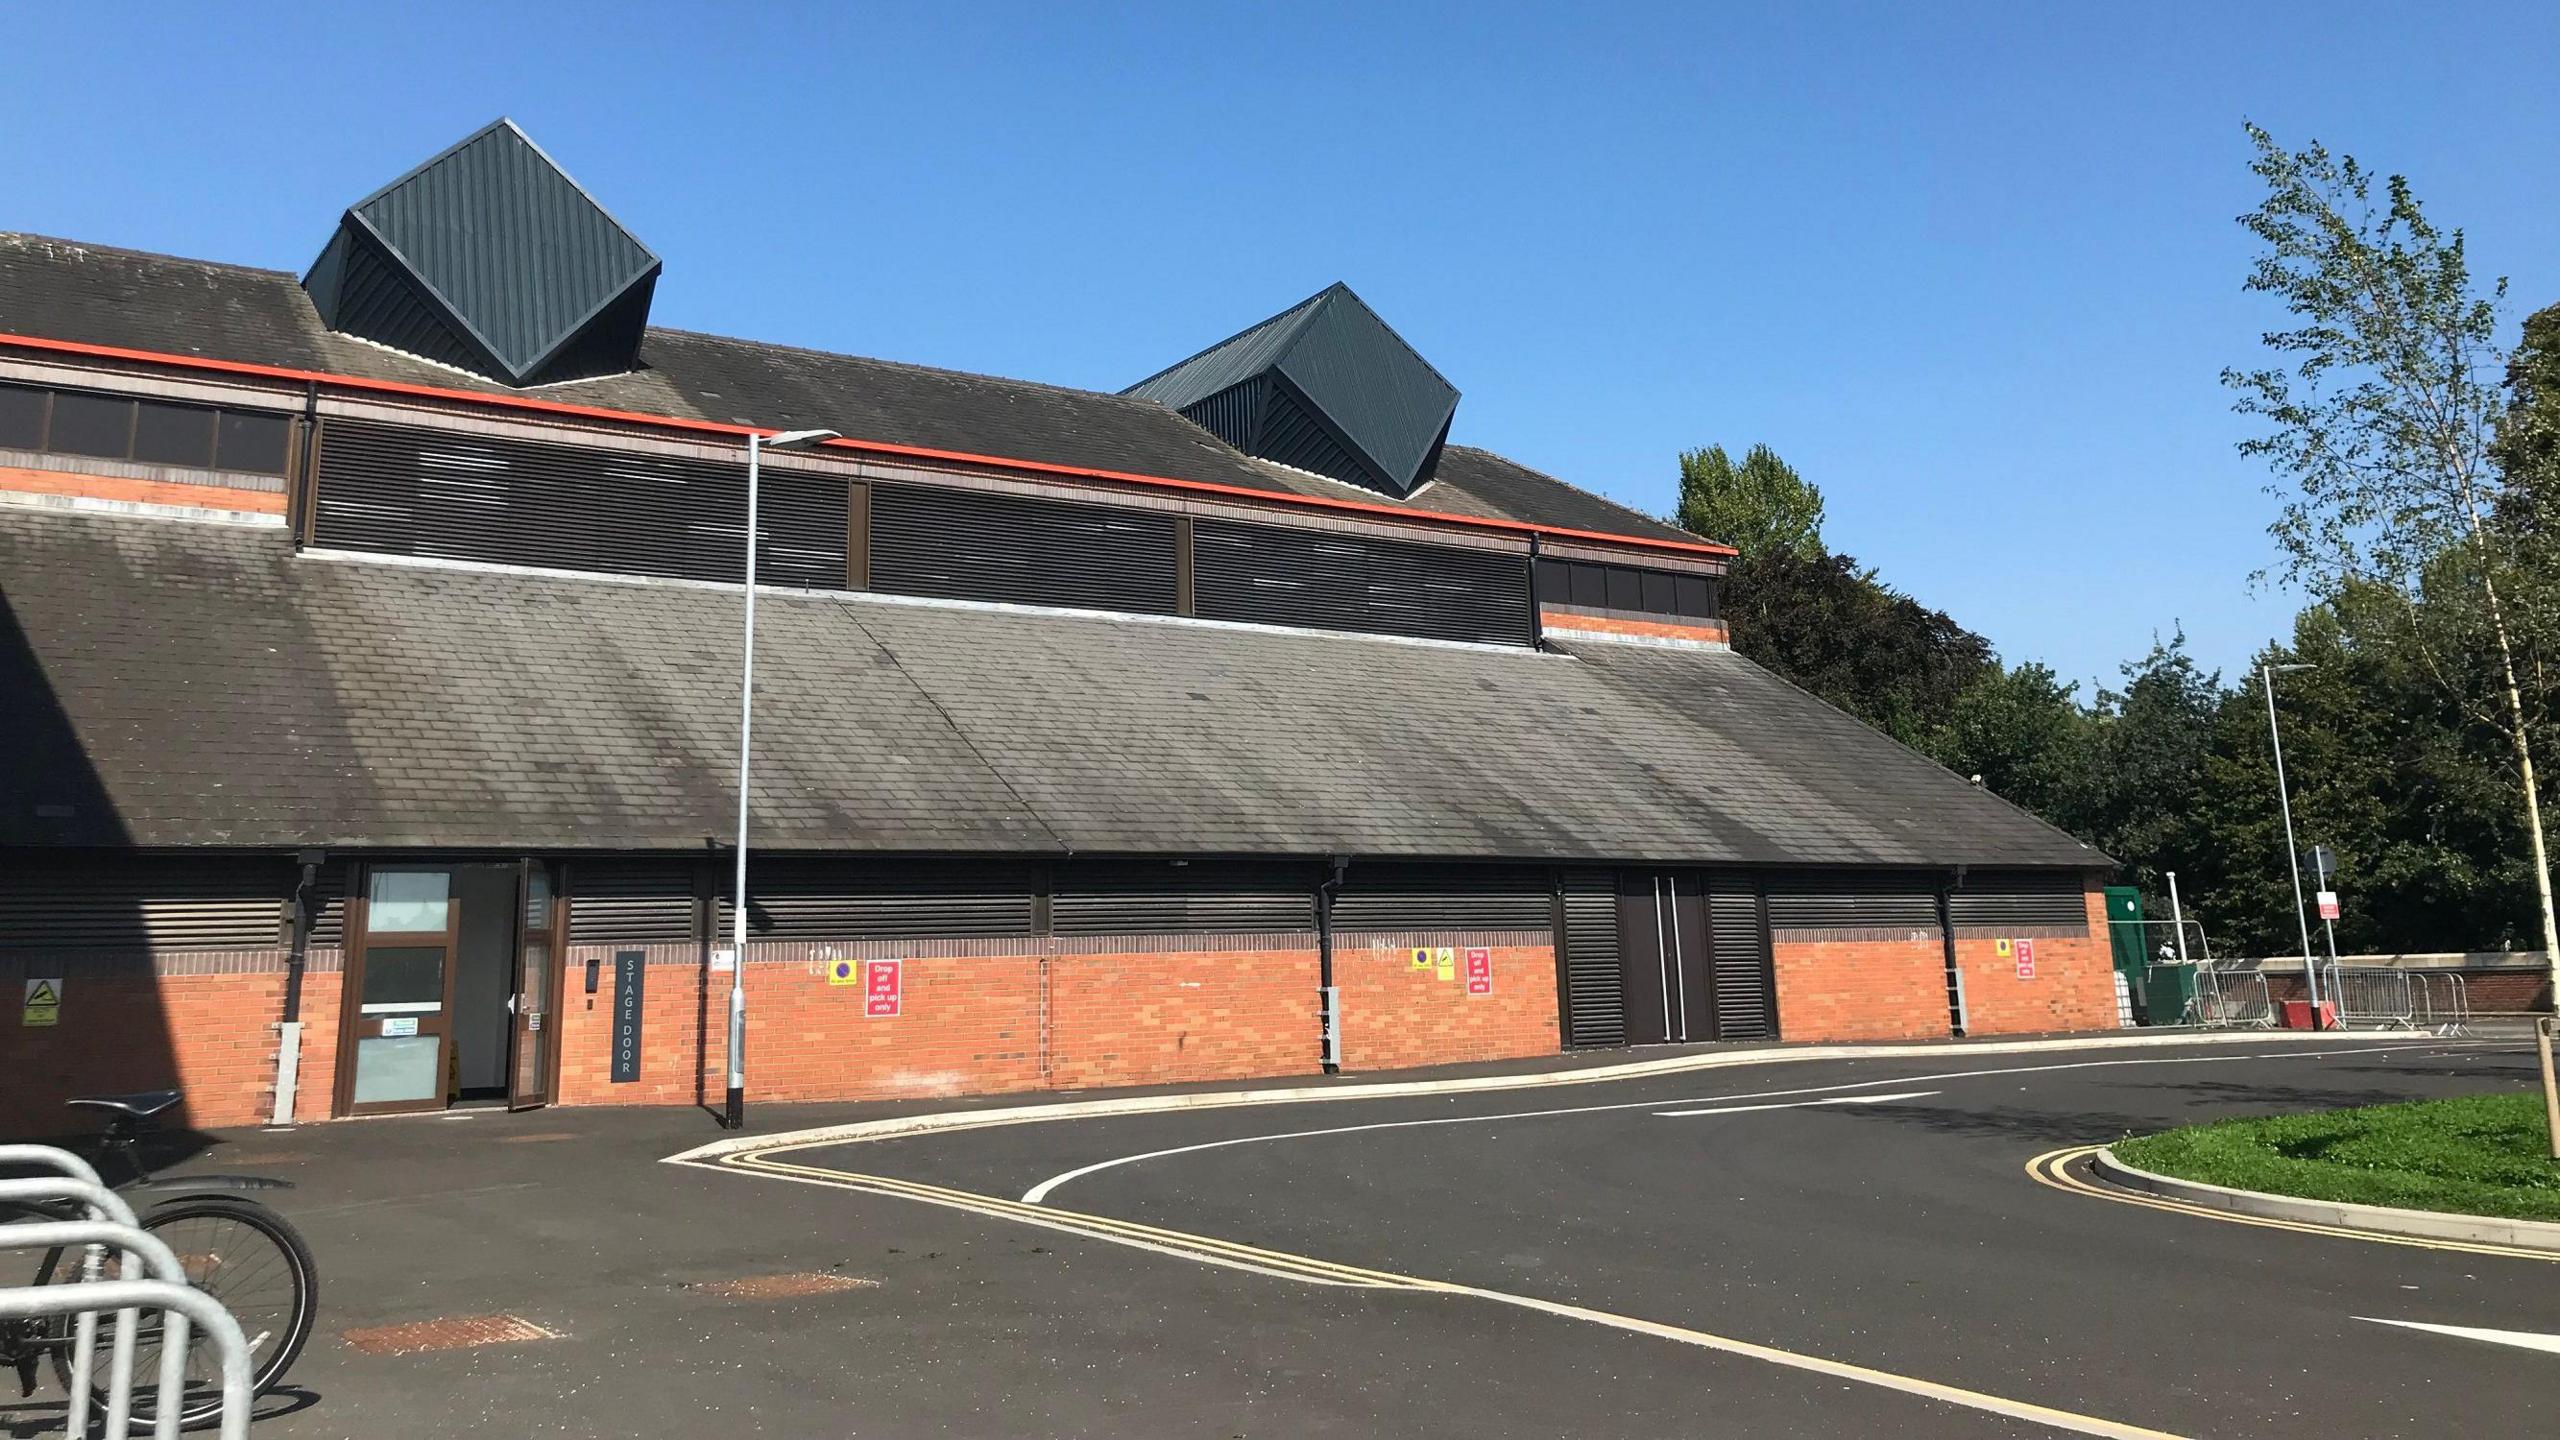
(400, 982)
(536, 975)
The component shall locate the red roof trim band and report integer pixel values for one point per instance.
(878, 447)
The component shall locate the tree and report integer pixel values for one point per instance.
(1759, 507)
(2381, 422)
(2025, 737)
(2528, 443)
(1832, 628)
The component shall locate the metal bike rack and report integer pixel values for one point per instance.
(112, 1225)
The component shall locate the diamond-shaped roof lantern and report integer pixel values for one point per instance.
(1324, 385)
(491, 259)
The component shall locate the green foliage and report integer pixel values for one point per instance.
(2477, 1155)
(1759, 507)
(1832, 628)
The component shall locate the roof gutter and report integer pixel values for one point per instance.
(857, 446)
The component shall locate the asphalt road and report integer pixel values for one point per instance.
(1903, 1240)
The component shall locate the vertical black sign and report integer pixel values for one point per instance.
(630, 967)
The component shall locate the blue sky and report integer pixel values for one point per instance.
(1971, 269)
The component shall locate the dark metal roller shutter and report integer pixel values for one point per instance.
(1595, 992)
(967, 545)
(631, 902)
(1746, 1002)
(1444, 897)
(1197, 899)
(1330, 580)
(143, 903)
(2022, 900)
(1818, 901)
(401, 490)
(798, 899)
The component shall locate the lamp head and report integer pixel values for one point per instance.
(798, 439)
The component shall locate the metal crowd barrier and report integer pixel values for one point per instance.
(2397, 999)
(2375, 995)
(2231, 1000)
(111, 1224)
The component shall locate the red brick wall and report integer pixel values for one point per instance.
(122, 1028)
(1712, 631)
(968, 1024)
(2073, 987)
(1394, 1015)
(1867, 988)
(1156, 1019)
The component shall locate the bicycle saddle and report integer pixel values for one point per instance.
(140, 1104)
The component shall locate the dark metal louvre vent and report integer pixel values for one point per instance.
(2022, 899)
(489, 258)
(631, 902)
(1745, 1000)
(205, 903)
(403, 490)
(1588, 585)
(805, 899)
(1852, 902)
(1331, 580)
(1595, 1001)
(1324, 385)
(1201, 898)
(969, 545)
(328, 900)
(1444, 897)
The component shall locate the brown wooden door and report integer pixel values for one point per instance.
(534, 1030)
(396, 1026)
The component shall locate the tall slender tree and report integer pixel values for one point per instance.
(2380, 418)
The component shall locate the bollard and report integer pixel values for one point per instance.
(2543, 1030)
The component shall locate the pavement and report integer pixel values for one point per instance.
(1818, 1248)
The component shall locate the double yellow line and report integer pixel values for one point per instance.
(1307, 1269)
(2053, 1168)
(1204, 1248)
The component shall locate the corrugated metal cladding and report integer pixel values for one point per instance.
(969, 545)
(1595, 1004)
(493, 235)
(1294, 434)
(1338, 393)
(403, 490)
(361, 290)
(1745, 987)
(794, 899)
(1331, 580)
(1199, 898)
(1445, 897)
(631, 901)
(1850, 901)
(211, 903)
(2022, 899)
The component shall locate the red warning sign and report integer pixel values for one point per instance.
(883, 987)
(1479, 970)
(2026, 952)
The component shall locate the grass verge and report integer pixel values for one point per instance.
(2478, 1155)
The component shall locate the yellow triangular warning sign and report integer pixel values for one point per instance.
(41, 992)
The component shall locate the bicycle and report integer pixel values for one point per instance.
(234, 1248)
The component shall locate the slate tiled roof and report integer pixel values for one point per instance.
(65, 290)
(173, 683)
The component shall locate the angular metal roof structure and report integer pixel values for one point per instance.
(489, 258)
(1325, 386)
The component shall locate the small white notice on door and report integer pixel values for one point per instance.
(397, 1025)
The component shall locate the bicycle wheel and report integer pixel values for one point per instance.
(250, 1260)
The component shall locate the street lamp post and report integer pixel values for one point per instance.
(736, 1117)
(2293, 862)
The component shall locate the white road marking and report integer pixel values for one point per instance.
(2521, 1339)
(1801, 1104)
(1039, 1193)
